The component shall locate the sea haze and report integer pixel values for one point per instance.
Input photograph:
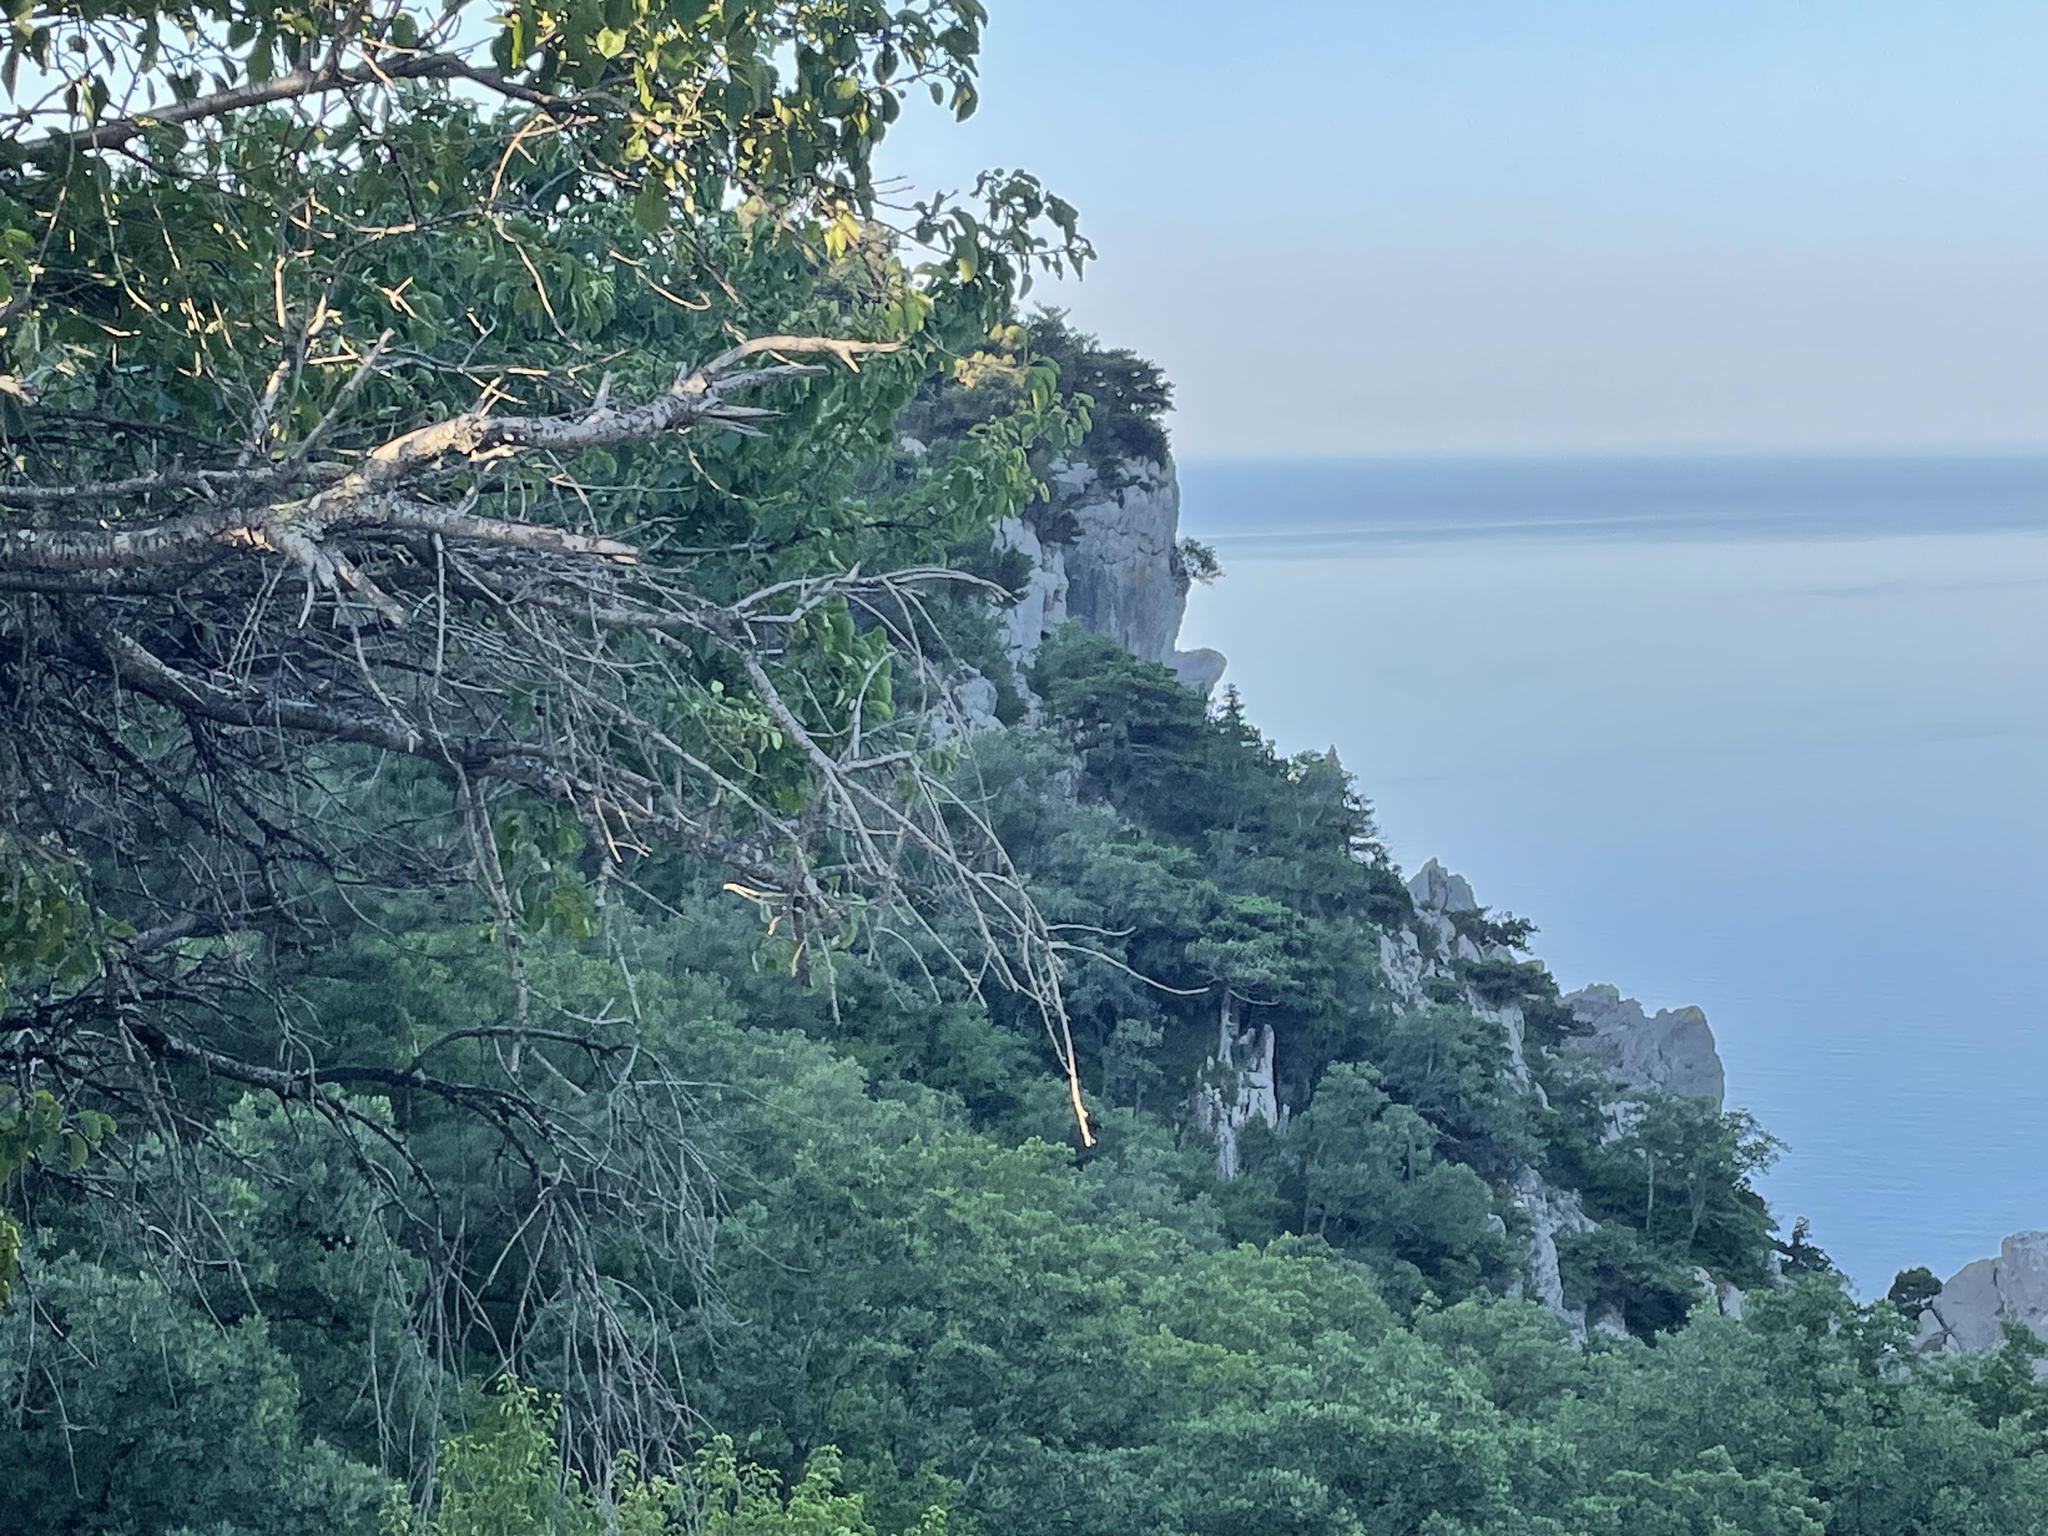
(1766, 736)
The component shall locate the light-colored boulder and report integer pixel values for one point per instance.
(1672, 1050)
(1965, 1317)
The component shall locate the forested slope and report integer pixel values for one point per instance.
(564, 970)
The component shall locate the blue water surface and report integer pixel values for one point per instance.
(1766, 736)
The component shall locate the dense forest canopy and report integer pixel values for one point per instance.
(528, 1004)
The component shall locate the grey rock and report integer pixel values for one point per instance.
(1514, 1029)
(969, 709)
(1123, 572)
(1727, 1299)
(1609, 1325)
(1121, 576)
(1437, 894)
(1043, 607)
(1237, 1086)
(1965, 1316)
(1401, 963)
(1673, 1051)
(976, 697)
(1549, 1212)
(1199, 670)
(1437, 929)
(1436, 890)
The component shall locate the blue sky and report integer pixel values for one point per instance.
(1472, 226)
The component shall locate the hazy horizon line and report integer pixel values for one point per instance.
(2037, 452)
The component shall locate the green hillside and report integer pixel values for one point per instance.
(529, 1004)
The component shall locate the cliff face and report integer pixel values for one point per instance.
(2013, 1287)
(1672, 1052)
(1121, 576)
(1043, 606)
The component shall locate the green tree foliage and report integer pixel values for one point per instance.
(501, 1477)
(130, 1411)
(1042, 1342)
(1911, 1290)
(2007, 1389)
(1372, 1183)
(1679, 1170)
(489, 510)
(451, 469)
(49, 944)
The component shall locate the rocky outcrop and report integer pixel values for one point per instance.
(2013, 1287)
(1123, 571)
(1445, 909)
(1121, 576)
(1548, 1213)
(1043, 606)
(1436, 890)
(973, 709)
(1726, 1297)
(1672, 1051)
(1441, 898)
(1237, 1086)
(1402, 964)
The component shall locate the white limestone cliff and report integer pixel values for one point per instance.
(1548, 1213)
(1043, 606)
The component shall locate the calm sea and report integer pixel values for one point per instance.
(1768, 737)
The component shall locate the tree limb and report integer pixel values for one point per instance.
(293, 85)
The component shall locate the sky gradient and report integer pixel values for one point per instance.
(1482, 227)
